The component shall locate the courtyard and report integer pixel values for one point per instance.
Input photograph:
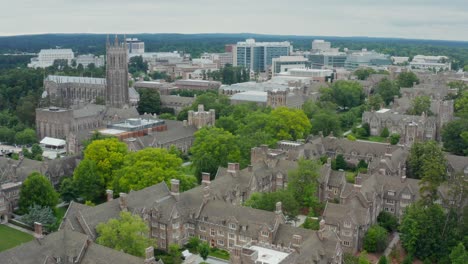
(10, 237)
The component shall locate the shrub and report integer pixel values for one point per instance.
(387, 221)
(385, 133)
(394, 139)
(375, 239)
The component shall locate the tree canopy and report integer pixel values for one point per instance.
(375, 239)
(37, 190)
(452, 136)
(419, 105)
(150, 101)
(302, 182)
(407, 79)
(267, 201)
(346, 94)
(387, 89)
(129, 234)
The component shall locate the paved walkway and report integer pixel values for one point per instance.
(392, 243)
(20, 228)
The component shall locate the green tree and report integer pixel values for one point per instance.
(364, 73)
(420, 104)
(87, 181)
(129, 234)
(137, 65)
(290, 124)
(340, 163)
(7, 135)
(387, 90)
(461, 103)
(459, 255)
(108, 155)
(311, 224)
(394, 139)
(302, 182)
(385, 133)
(174, 252)
(375, 239)
(347, 94)
(383, 260)
(37, 190)
(204, 250)
(67, 189)
(363, 258)
(267, 201)
(387, 221)
(40, 214)
(452, 136)
(27, 136)
(148, 167)
(374, 102)
(407, 79)
(326, 123)
(213, 147)
(36, 152)
(150, 101)
(193, 243)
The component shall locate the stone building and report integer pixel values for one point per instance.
(68, 246)
(201, 118)
(116, 74)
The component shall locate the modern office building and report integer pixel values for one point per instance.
(135, 46)
(258, 56)
(327, 59)
(46, 57)
(366, 58)
(431, 62)
(284, 63)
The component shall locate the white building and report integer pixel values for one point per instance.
(258, 56)
(284, 63)
(320, 45)
(88, 59)
(399, 60)
(431, 62)
(317, 75)
(46, 57)
(135, 46)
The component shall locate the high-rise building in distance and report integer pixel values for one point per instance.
(258, 56)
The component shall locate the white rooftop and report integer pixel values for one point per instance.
(74, 79)
(383, 110)
(251, 96)
(269, 256)
(53, 141)
(111, 131)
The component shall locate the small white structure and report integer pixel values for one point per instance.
(53, 147)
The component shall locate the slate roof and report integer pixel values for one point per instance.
(335, 213)
(65, 244)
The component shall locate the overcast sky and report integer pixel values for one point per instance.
(424, 19)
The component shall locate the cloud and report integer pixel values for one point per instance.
(428, 19)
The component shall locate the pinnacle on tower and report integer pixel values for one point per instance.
(116, 42)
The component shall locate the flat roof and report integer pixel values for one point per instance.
(53, 141)
(383, 110)
(270, 256)
(111, 131)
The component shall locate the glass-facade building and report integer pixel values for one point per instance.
(258, 56)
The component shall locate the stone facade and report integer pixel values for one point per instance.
(201, 118)
(116, 74)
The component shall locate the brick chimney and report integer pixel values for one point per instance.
(175, 187)
(250, 168)
(233, 167)
(109, 195)
(358, 180)
(123, 201)
(38, 230)
(206, 179)
(321, 229)
(403, 175)
(149, 255)
(388, 151)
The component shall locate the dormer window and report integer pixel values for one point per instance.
(232, 226)
(265, 233)
(347, 224)
(391, 193)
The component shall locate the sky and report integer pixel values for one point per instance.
(420, 19)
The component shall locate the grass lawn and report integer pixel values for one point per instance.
(10, 237)
(377, 139)
(350, 176)
(219, 253)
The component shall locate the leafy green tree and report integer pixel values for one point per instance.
(27, 136)
(387, 221)
(387, 90)
(407, 79)
(452, 136)
(87, 181)
(228, 123)
(459, 255)
(349, 258)
(37, 190)
(374, 102)
(385, 133)
(340, 163)
(375, 239)
(383, 260)
(174, 252)
(302, 182)
(290, 124)
(193, 242)
(311, 224)
(394, 139)
(108, 155)
(326, 123)
(7, 135)
(461, 103)
(363, 258)
(150, 101)
(95, 136)
(67, 189)
(346, 94)
(137, 65)
(129, 234)
(40, 214)
(204, 250)
(148, 167)
(213, 147)
(420, 104)
(364, 73)
(267, 201)
(26, 109)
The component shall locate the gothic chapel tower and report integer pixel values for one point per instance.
(116, 74)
